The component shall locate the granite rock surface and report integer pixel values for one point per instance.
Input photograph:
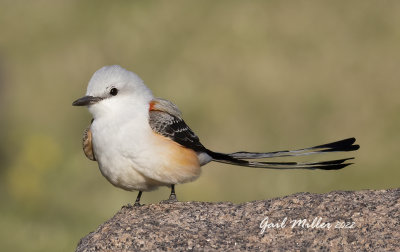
(337, 221)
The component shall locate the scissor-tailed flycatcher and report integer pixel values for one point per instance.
(141, 142)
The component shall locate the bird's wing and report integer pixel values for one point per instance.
(166, 120)
(87, 143)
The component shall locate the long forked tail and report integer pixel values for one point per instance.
(239, 158)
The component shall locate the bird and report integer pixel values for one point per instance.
(141, 142)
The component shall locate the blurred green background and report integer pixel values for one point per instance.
(248, 75)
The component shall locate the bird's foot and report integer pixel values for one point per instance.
(137, 204)
(172, 197)
(170, 200)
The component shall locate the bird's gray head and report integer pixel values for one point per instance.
(112, 87)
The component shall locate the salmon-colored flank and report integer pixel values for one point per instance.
(181, 162)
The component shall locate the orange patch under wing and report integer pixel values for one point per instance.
(181, 163)
(183, 156)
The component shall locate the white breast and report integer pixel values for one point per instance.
(131, 156)
(112, 140)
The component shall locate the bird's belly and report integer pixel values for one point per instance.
(123, 175)
(144, 161)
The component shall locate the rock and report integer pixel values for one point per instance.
(352, 221)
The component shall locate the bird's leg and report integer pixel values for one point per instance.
(172, 196)
(137, 202)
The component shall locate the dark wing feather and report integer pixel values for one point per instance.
(175, 128)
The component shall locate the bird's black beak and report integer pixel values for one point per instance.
(86, 100)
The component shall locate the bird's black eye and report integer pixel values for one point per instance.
(113, 91)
